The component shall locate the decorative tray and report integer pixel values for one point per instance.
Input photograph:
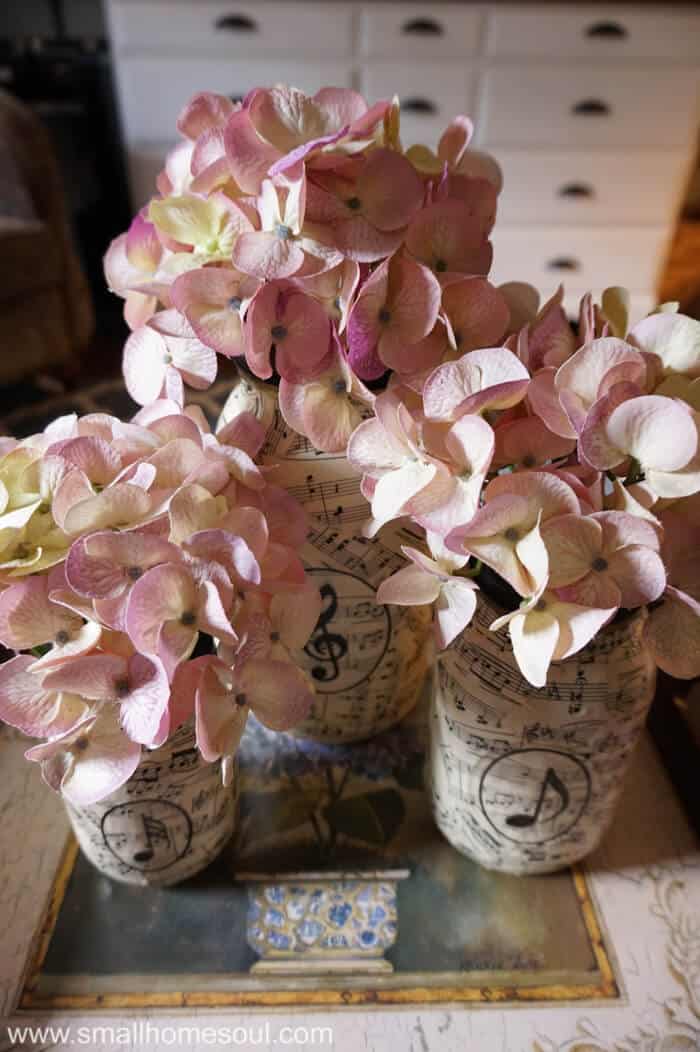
(337, 890)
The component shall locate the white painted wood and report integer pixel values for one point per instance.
(645, 879)
(237, 30)
(622, 187)
(444, 89)
(594, 33)
(154, 90)
(602, 256)
(419, 30)
(528, 106)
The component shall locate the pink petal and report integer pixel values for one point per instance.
(577, 626)
(672, 633)
(248, 155)
(143, 708)
(267, 256)
(543, 398)
(164, 593)
(210, 300)
(410, 586)
(455, 139)
(93, 676)
(24, 702)
(580, 379)
(107, 762)
(448, 239)
(104, 564)
(478, 313)
(295, 615)
(204, 111)
(28, 618)
(120, 505)
(573, 542)
(145, 358)
(80, 641)
(277, 692)
(454, 610)
(639, 573)
(390, 190)
(659, 432)
(534, 636)
(672, 338)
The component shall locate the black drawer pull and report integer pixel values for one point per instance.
(591, 108)
(563, 263)
(423, 27)
(422, 107)
(607, 31)
(236, 98)
(237, 24)
(578, 190)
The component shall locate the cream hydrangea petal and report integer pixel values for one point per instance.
(534, 636)
(672, 633)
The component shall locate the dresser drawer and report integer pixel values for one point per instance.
(223, 28)
(575, 187)
(578, 258)
(431, 94)
(594, 32)
(583, 106)
(154, 90)
(422, 31)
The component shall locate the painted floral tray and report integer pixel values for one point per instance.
(337, 890)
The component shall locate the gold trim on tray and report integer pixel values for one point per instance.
(605, 987)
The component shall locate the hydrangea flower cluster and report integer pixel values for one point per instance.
(123, 546)
(294, 233)
(568, 463)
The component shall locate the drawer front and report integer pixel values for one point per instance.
(431, 95)
(578, 258)
(422, 31)
(230, 28)
(154, 90)
(594, 32)
(583, 106)
(582, 187)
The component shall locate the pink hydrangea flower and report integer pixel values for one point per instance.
(90, 761)
(138, 685)
(607, 560)
(546, 629)
(492, 378)
(367, 207)
(395, 310)
(283, 317)
(214, 301)
(502, 532)
(433, 581)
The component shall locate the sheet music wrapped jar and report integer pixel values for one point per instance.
(368, 662)
(169, 821)
(526, 780)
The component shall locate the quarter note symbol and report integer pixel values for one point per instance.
(154, 831)
(551, 781)
(326, 648)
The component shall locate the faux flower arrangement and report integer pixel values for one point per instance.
(124, 545)
(297, 233)
(569, 464)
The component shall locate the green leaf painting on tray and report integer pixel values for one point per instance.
(373, 817)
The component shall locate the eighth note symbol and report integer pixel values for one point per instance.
(551, 781)
(327, 648)
(154, 830)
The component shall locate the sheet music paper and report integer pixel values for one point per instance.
(166, 823)
(368, 662)
(525, 779)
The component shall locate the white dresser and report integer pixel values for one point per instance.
(592, 111)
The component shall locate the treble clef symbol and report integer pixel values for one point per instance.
(326, 647)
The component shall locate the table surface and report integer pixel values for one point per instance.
(644, 880)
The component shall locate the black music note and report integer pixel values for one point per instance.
(154, 830)
(326, 647)
(551, 781)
